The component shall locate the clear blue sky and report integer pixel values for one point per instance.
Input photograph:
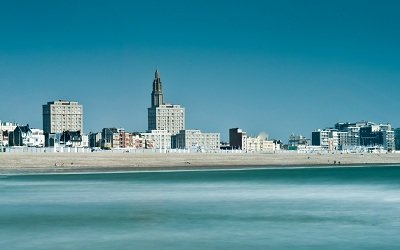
(274, 66)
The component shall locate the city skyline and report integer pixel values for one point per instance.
(275, 67)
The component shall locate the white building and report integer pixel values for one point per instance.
(260, 144)
(8, 126)
(85, 141)
(196, 140)
(239, 139)
(60, 116)
(321, 138)
(159, 139)
(353, 136)
(167, 117)
(5, 129)
(343, 139)
(327, 139)
(36, 139)
(28, 137)
(388, 138)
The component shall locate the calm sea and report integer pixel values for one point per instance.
(305, 208)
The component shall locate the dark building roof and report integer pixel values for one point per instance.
(23, 129)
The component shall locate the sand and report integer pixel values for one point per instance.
(105, 162)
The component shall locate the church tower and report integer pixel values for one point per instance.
(162, 116)
(157, 98)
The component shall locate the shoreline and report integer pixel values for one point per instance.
(42, 163)
(97, 171)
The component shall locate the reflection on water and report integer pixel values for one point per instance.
(336, 208)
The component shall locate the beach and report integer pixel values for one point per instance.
(108, 161)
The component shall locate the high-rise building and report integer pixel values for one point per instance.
(163, 116)
(60, 116)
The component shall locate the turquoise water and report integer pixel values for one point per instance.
(326, 208)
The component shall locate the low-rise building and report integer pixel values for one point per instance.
(240, 140)
(125, 139)
(136, 141)
(25, 136)
(5, 129)
(74, 139)
(259, 144)
(157, 139)
(196, 140)
(110, 138)
(95, 139)
(8, 126)
(20, 136)
(37, 138)
(297, 140)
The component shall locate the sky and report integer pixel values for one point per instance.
(278, 67)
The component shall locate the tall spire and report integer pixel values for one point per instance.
(157, 98)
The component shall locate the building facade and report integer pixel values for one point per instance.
(163, 116)
(156, 139)
(110, 138)
(320, 138)
(20, 136)
(237, 138)
(60, 116)
(74, 139)
(95, 140)
(259, 144)
(388, 140)
(27, 137)
(378, 135)
(167, 117)
(37, 138)
(5, 129)
(297, 140)
(397, 138)
(196, 140)
(352, 136)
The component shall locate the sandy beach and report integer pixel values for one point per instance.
(100, 161)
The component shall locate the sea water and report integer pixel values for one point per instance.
(303, 208)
